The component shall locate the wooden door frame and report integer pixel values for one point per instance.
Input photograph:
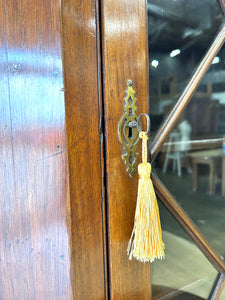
(82, 79)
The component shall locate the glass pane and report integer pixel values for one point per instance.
(180, 32)
(185, 269)
(192, 161)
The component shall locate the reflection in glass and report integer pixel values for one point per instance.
(191, 163)
(180, 32)
(192, 160)
(222, 296)
(185, 269)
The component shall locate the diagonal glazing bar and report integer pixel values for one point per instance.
(217, 287)
(171, 204)
(187, 93)
(222, 5)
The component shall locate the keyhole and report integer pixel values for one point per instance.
(130, 133)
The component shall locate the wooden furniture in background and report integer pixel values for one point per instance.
(203, 115)
(203, 112)
(212, 158)
(214, 117)
(204, 91)
(167, 87)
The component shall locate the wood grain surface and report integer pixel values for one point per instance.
(34, 206)
(84, 146)
(125, 57)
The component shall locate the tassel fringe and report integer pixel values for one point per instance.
(146, 239)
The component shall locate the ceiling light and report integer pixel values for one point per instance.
(155, 63)
(174, 52)
(191, 33)
(216, 60)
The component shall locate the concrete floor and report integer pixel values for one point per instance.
(185, 267)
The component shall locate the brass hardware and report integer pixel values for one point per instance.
(139, 124)
(127, 130)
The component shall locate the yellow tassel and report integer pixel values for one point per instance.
(146, 239)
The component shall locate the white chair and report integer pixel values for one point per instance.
(173, 152)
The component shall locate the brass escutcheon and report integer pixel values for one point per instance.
(127, 130)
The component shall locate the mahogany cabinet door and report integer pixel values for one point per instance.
(51, 204)
(34, 189)
(124, 55)
(62, 62)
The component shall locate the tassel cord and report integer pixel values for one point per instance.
(146, 239)
(144, 138)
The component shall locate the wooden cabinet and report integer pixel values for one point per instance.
(66, 210)
(67, 203)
